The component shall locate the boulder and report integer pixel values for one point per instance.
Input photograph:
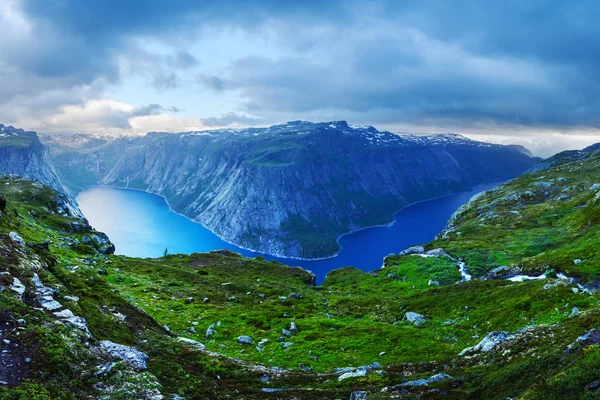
(286, 333)
(414, 318)
(210, 332)
(359, 395)
(490, 341)
(14, 236)
(293, 327)
(244, 340)
(129, 355)
(192, 343)
(412, 250)
(352, 374)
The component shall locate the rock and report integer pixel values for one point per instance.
(439, 378)
(414, 318)
(294, 295)
(17, 286)
(425, 382)
(575, 290)
(189, 300)
(433, 283)
(102, 271)
(589, 338)
(205, 300)
(286, 333)
(490, 341)
(232, 298)
(412, 250)
(244, 340)
(577, 261)
(359, 395)
(437, 253)
(45, 246)
(71, 298)
(64, 314)
(104, 369)
(595, 385)
(14, 236)
(497, 272)
(352, 374)
(129, 355)
(287, 345)
(575, 311)
(192, 343)
(210, 332)
(293, 327)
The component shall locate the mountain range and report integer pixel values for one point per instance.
(289, 190)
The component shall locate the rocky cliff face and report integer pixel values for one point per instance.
(22, 153)
(292, 189)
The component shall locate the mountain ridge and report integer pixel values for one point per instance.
(292, 189)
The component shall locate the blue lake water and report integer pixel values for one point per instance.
(142, 225)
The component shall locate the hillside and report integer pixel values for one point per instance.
(292, 189)
(218, 325)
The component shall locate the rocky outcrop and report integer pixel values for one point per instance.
(22, 153)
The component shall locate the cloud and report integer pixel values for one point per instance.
(100, 116)
(498, 65)
(231, 118)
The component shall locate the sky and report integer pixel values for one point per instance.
(502, 71)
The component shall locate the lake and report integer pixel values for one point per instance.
(141, 224)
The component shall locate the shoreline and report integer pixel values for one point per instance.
(259, 254)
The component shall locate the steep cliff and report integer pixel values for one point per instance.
(22, 153)
(292, 189)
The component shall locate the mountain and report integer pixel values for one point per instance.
(292, 189)
(22, 153)
(503, 304)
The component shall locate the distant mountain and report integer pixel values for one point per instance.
(291, 189)
(22, 153)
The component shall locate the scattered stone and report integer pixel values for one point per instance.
(244, 340)
(189, 300)
(14, 236)
(205, 300)
(577, 261)
(102, 271)
(294, 295)
(72, 298)
(359, 395)
(595, 385)
(437, 253)
(425, 382)
(232, 298)
(414, 318)
(287, 345)
(412, 250)
(433, 283)
(129, 355)
(293, 327)
(352, 374)
(210, 332)
(490, 341)
(64, 314)
(192, 343)
(105, 368)
(286, 333)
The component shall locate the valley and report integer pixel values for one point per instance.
(255, 328)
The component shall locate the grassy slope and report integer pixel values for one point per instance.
(354, 318)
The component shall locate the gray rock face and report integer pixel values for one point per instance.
(129, 355)
(22, 153)
(310, 173)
